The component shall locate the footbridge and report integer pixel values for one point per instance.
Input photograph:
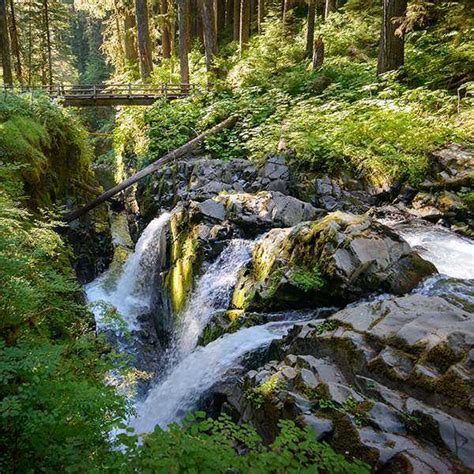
(108, 94)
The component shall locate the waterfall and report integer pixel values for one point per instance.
(213, 293)
(179, 392)
(131, 295)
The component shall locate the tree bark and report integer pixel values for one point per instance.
(5, 45)
(287, 5)
(210, 42)
(392, 45)
(143, 33)
(165, 30)
(310, 28)
(331, 6)
(48, 41)
(229, 13)
(236, 24)
(220, 16)
(244, 35)
(129, 24)
(260, 15)
(15, 44)
(155, 166)
(183, 43)
(318, 56)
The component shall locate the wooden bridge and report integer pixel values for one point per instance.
(108, 94)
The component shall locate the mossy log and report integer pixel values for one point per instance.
(155, 166)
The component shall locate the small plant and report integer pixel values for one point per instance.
(412, 423)
(307, 280)
(328, 325)
(258, 395)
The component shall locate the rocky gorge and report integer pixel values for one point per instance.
(263, 295)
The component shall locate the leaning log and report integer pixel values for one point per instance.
(151, 168)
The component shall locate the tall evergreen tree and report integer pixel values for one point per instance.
(310, 28)
(15, 43)
(244, 36)
(5, 45)
(210, 40)
(183, 41)
(144, 42)
(392, 42)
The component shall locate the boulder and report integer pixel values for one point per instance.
(335, 260)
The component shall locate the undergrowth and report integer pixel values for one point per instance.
(341, 118)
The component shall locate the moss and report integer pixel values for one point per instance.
(307, 280)
(441, 356)
(454, 389)
(346, 439)
(184, 247)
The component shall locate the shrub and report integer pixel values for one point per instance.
(219, 446)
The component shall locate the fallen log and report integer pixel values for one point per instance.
(156, 165)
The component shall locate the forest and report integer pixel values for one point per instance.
(288, 283)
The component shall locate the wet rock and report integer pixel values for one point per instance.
(265, 210)
(338, 258)
(203, 178)
(212, 209)
(361, 384)
(331, 195)
(321, 427)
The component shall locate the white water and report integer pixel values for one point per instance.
(450, 253)
(193, 371)
(131, 295)
(180, 391)
(212, 293)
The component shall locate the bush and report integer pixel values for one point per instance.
(220, 446)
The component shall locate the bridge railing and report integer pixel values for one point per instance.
(107, 90)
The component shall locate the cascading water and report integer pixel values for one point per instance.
(451, 254)
(131, 294)
(212, 293)
(180, 391)
(189, 371)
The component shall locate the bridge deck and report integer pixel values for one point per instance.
(110, 94)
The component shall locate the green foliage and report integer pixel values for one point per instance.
(219, 446)
(412, 423)
(50, 147)
(55, 407)
(307, 280)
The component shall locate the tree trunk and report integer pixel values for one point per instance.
(392, 45)
(229, 13)
(318, 56)
(210, 42)
(244, 35)
(260, 15)
(15, 44)
(236, 25)
(331, 6)
(165, 30)
(5, 45)
(143, 33)
(310, 28)
(287, 5)
(48, 41)
(220, 16)
(129, 24)
(183, 42)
